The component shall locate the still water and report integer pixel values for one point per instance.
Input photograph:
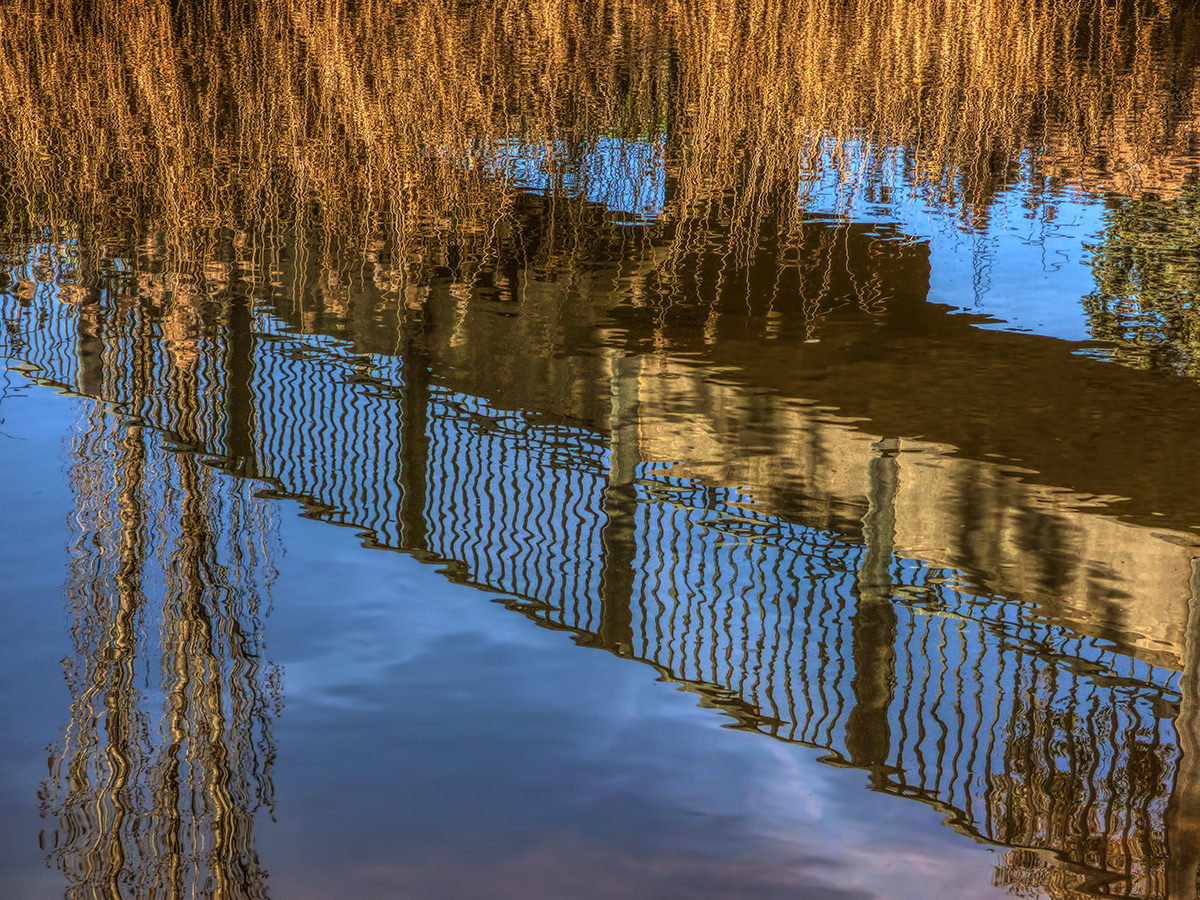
(756, 478)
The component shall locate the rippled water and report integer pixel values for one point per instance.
(852, 409)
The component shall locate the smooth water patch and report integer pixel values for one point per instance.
(35, 507)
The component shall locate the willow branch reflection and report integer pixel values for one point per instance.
(377, 120)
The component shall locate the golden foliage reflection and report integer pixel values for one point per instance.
(398, 118)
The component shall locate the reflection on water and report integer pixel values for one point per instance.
(1002, 650)
(617, 313)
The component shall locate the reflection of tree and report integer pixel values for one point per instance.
(1087, 784)
(130, 108)
(1147, 270)
(168, 754)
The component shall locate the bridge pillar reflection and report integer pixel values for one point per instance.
(619, 535)
(873, 626)
(239, 450)
(414, 426)
(1183, 809)
(89, 343)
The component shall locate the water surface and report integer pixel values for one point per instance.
(856, 427)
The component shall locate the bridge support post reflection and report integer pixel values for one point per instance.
(89, 341)
(1183, 810)
(240, 452)
(414, 429)
(873, 626)
(89, 347)
(619, 534)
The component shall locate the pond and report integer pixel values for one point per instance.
(763, 435)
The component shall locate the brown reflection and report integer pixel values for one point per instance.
(414, 441)
(239, 398)
(167, 757)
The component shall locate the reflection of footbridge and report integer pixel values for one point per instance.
(823, 604)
